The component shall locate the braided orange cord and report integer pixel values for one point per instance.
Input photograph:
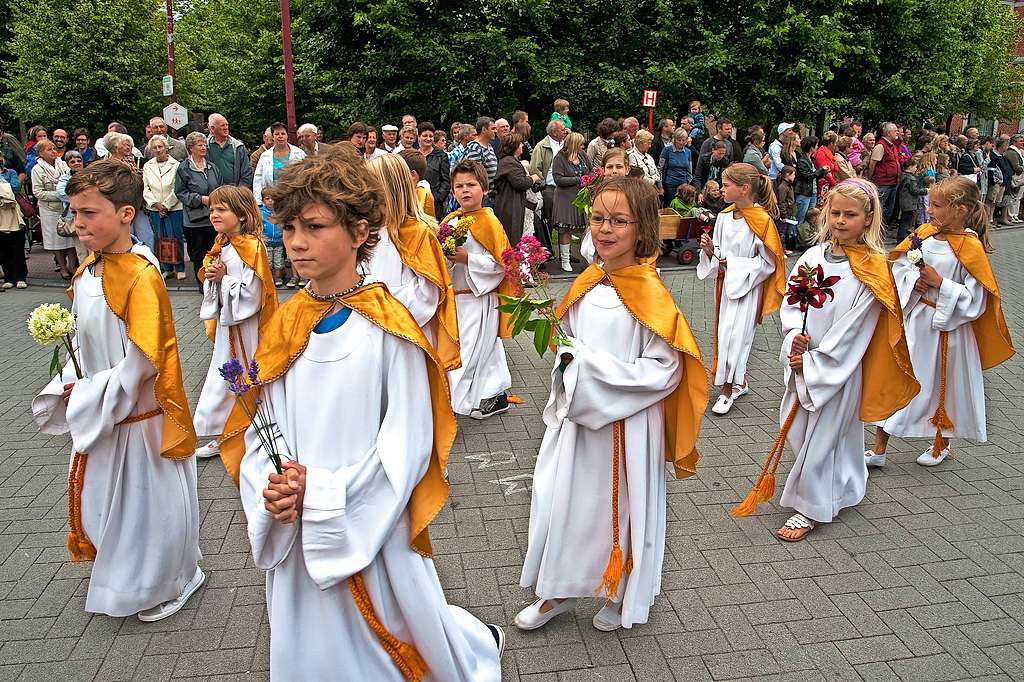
(405, 657)
(764, 486)
(719, 284)
(941, 418)
(79, 545)
(615, 569)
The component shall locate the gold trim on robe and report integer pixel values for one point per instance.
(253, 253)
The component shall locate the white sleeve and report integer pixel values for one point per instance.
(419, 295)
(483, 273)
(742, 275)
(958, 304)
(240, 297)
(708, 265)
(906, 275)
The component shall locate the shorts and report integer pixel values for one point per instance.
(275, 254)
(995, 194)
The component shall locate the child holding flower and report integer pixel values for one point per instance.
(954, 319)
(360, 404)
(133, 510)
(745, 255)
(628, 393)
(845, 361)
(239, 298)
(479, 386)
(615, 164)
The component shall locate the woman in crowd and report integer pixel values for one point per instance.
(844, 165)
(640, 157)
(46, 173)
(567, 169)
(825, 159)
(675, 165)
(36, 134)
(603, 142)
(868, 141)
(523, 129)
(194, 180)
(807, 175)
(75, 163)
(754, 153)
(121, 147)
(438, 171)
(12, 235)
(371, 151)
(511, 184)
(158, 177)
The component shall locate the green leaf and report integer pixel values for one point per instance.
(55, 362)
(540, 336)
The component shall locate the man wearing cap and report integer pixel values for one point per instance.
(390, 133)
(775, 149)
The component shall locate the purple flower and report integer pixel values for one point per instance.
(254, 373)
(239, 387)
(232, 371)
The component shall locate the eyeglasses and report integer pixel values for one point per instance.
(619, 223)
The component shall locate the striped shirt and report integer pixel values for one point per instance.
(486, 156)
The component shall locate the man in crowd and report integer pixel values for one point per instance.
(481, 150)
(775, 148)
(1015, 188)
(268, 142)
(733, 149)
(662, 138)
(175, 147)
(541, 161)
(228, 154)
(60, 141)
(357, 135)
(501, 129)
(81, 141)
(307, 136)
(711, 164)
(409, 120)
(884, 170)
(632, 126)
(390, 134)
(461, 137)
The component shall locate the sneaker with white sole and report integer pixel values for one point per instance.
(873, 460)
(211, 449)
(21, 285)
(927, 459)
(491, 407)
(499, 638)
(723, 405)
(169, 608)
(609, 618)
(531, 617)
(738, 391)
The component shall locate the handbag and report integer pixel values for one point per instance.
(28, 209)
(65, 227)
(168, 250)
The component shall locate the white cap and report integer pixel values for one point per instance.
(783, 127)
(389, 128)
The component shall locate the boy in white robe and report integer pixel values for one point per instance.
(239, 298)
(479, 386)
(955, 325)
(627, 394)
(342, 531)
(745, 255)
(128, 416)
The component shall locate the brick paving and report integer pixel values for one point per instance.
(922, 581)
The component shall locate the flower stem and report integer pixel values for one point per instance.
(71, 353)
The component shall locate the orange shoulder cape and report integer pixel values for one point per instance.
(995, 345)
(887, 374)
(421, 252)
(645, 297)
(253, 253)
(136, 294)
(426, 200)
(774, 289)
(286, 339)
(487, 230)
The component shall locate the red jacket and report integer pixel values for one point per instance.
(824, 158)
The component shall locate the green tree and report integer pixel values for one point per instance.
(84, 62)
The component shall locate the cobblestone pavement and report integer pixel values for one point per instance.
(922, 581)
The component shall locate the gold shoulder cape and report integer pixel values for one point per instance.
(285, 340)
(773, 289)
(645, 297)
(487, 230)
(421, 252)
(253, 253)
(136, 294)
(995, 345)
(887, 374)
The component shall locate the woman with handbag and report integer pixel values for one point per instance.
(76, 162)
(46, 174)
(195, 179)
(165, 214)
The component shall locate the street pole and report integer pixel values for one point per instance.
(170, 48)
(289, 71)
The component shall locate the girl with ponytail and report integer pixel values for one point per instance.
(745, 255)
(954, 323)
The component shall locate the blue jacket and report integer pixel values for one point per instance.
(676, 166)
(11, 178)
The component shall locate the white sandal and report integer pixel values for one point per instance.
(796, 522)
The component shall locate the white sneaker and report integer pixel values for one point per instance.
(927, 459)
(873, 460)
(723, 405)
(738, 391)
(609, 618)
(531, 618)
(211, 449)
(21, 285)
(169, 608)
(8, 285)
(499, 638)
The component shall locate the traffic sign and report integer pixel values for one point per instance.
(650, 99)
(176, 116)
(168, 84)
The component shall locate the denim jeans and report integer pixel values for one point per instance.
(802, 204)
(887, 199)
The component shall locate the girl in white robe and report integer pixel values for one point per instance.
(146, 534)
(233, 298)
(745, 255)
(942, 296)
(610, 383)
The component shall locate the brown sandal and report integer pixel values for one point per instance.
(799, 523)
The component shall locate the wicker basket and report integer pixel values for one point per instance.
(668, 223)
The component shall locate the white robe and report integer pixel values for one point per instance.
(484, 372)
(235, 303)
(621, 370)
(418, 294)
(960, 300)
(139, 509)
(829, 472)
(343, 409)
(749, 263)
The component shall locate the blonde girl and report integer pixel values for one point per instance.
(837, 369)
(745, 256)
(239, 298)
(409, 259)
(567, 169)
(954, 321)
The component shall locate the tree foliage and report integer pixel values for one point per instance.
(84, 62)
